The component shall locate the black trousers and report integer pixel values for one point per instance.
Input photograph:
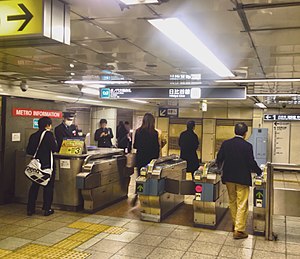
(47, 194)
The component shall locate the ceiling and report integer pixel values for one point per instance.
(253, 38)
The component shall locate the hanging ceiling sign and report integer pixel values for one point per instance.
(282, 117)
(173, 93)
(168, 112)
(34, 20)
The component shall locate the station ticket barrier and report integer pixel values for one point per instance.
(162, 186)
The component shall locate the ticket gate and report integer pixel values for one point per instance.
(103, 181)
(156, 201)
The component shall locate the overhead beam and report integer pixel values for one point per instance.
(273, 29)
(265, 6)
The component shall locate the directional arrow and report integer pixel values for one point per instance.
(162, 112)
(259, 195)
(140, 188)
(27, 16)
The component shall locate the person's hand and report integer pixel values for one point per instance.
(103, 134)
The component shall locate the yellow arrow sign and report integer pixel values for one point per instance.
(21, 17)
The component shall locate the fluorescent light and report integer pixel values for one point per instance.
(78, 99)
(91, 91)
(137, 101)
(96, 86)
(132, 2)
(258, 80)
(261, 105)
(72, 65)
(287, 95)
(178, 32)
(104, 82)
(72, 74)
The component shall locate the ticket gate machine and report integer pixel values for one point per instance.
(156, 201)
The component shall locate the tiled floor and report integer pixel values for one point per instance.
(79, 235)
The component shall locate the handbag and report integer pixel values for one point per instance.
(34, 169)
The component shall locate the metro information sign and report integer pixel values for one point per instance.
(282, 117)
(173, 93)
(22, 17)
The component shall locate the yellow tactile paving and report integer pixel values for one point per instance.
(17, 256)
(68, 244)
(115, 230)
(75, 255)
(32, 249)
(79, 225)
(81, 236)
(53, 252)
(98, 228)
(4, 252)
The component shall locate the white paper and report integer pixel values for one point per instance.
(65, 164)
(16, 137)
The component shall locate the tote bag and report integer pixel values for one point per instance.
(34, 169)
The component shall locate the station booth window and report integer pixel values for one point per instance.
(177, 126)
(225, 130)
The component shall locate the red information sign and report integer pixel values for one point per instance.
(198, 188)
(27, 112)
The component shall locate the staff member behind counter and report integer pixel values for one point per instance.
(66, 129)
(104, 135)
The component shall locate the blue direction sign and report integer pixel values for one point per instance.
(35, 124)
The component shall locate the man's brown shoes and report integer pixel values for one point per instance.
(239, 235)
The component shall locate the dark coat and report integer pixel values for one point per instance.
(147, 147)
(122, 137)
(62, 132)
(236, 155)
(188, 143)
(48, 144)
(104, 141)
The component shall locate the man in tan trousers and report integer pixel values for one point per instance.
(236, 158)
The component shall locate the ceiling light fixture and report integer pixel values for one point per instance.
(91, 91)
(258, 80)
(137, 101)
(104, 82)
(72, 74)
(133, 2)
(271, 95)
(95, 86)
(72, 65)
(77, 99)
(261, 105)
(178, 32)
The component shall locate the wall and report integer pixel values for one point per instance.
(24, 126)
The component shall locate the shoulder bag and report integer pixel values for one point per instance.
(34, 171)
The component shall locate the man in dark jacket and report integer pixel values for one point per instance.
(44, 153)
(65, 130)
(236, 157)
(188, 142)
(103, 135)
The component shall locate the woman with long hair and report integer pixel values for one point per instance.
(146, 143)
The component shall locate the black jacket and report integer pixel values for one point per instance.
(122, 137)
(62, 132)
(147, 147)
(104, 141)
(236, 155)
(48, 144)
(188, 143)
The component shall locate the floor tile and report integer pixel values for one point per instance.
(184, 234)
(150, 240)
(293, 249)
(33, 233)
(89, 243)
(11, 230)
(292, 256)
(136, 227)
(292, 238)
(108, 246)
(211, 238)
(163, 253)
(176, 244)
(12, 243)
(205, 248)
(53, 238)
(66, 218)
(29, 222)
(190, 255)
(116, 256)
(98, 255)
(136, 250)
(236, 252)
(258, 254)
(159, 231)
(95, 219)
(124, 237)
(270, 246)
(3, 237)
(115, 222)
(246, 243)
(67, 230)
(51, 225)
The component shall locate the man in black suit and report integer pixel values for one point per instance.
(44, 153)
(236, 157)
(103, 135)
(65, 130)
